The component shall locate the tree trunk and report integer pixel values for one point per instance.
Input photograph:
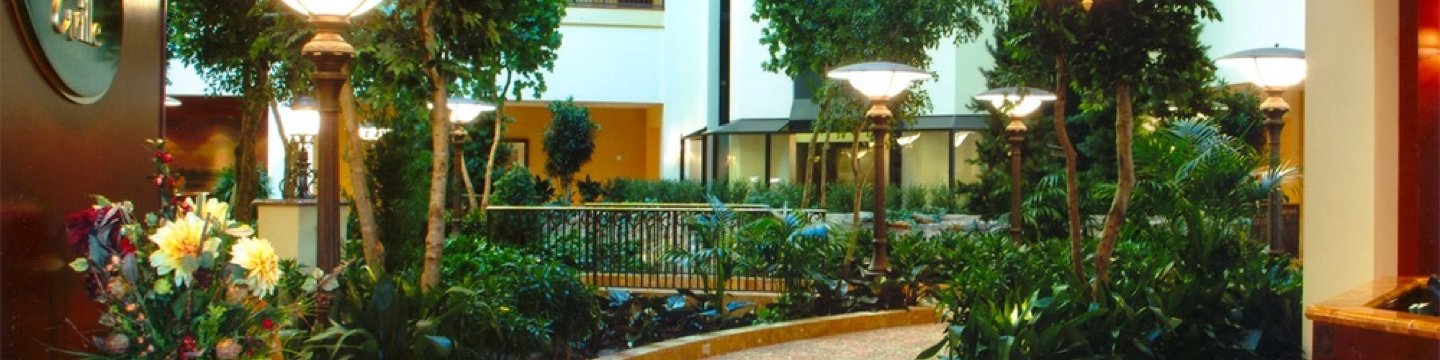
(1072, 191)
(495, 141)
(440, 157)
(360, 181)
(824, 169)
(855, 178)
(465, 177)
(246, 178)
(1115, 219)
(808, 184)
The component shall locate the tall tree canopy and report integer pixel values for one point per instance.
(1128, 42)
(245, 47)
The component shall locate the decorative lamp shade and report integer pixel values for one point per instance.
(371, 133)
(342, 8)
(463, 111)
(1016, 102)
(1270, 68)
(303, 119)
(879, 80)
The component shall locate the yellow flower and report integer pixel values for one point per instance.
(262, 267)
(218, 212)
(182, 248)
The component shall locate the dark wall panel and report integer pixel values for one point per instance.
(1419, 139)
(53, 153)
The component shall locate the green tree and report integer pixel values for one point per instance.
(569, 142)
(1154, 43)
(418, 50)
(246, 47)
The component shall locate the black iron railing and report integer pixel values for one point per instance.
(621, 245)
(621, 4)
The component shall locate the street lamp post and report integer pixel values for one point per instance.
(302, 124)
(1273, 69)
(880, 81)
(329, 51)
(1017, 104)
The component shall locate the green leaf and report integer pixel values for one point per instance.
(80, 264)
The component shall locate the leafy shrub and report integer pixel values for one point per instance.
(384, 316)
(632, 321)
(516, 187)
(1188, 279)
(516, 304)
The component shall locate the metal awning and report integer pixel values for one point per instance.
(753, 126)
(968, 122)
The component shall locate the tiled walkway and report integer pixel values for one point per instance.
(899, 343)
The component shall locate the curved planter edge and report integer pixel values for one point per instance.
(732, 340)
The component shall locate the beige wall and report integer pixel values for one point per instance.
(1350, 167)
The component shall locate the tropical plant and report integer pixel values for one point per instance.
(569, 141)
(717, 250)
(1192, 282)
(380, 316)
(225, 184)
(797, 248)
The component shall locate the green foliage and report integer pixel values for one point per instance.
(569, 141)
(515, 187)
(1176, 294)
(716, 252)
(1121, 47)
(386, 316)
(225, 184)
(1188, 279)
(632, 321)
(590, 190)
(401, 157)
(519, 305)
(797, 248)
(654, 191)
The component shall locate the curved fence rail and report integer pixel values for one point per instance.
(622, 246)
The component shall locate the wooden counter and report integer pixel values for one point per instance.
(1351, 326)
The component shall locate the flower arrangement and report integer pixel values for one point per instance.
(186, 281)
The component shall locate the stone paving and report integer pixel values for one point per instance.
(899, 343)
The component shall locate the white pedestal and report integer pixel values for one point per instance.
(291, 226)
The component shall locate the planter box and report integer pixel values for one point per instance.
(1356, 325)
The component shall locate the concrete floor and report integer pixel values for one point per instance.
(899, 343)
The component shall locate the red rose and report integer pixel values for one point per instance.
(78, 226)
(126, 247)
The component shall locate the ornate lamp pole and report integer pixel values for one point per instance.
(1272, 69)
(329, 51)
(880, 81)
(1016, 103)
(303, 124)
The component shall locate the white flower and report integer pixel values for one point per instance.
(182, 248)
(262, 266)
(218, 212)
